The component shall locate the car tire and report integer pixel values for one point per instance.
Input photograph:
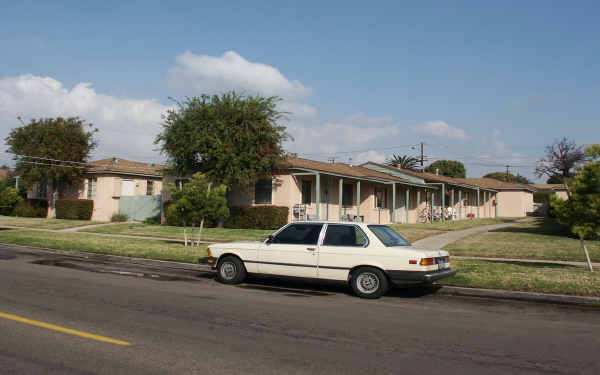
(231, 270)
(369, 282)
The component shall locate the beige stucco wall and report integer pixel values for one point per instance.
(514, 203)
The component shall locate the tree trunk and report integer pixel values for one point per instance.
(192, 236)
(200, 231)
(587, 255)
(52, 192)
(184, 235)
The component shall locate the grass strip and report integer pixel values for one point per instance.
(132, 247)
(526, 277)
(543, 239)
(165, 231)
(41, 223)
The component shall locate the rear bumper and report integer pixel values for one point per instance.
(411, 277)
(211, 261)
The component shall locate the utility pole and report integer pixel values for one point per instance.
(507, 173)
(422, 158)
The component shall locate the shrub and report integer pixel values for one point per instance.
(74, 209)
(174, 219)
(119, 218)
(258, 217)
(9, 198)
(31, 208)
(542, 196)
(154, 220)
(471, 215)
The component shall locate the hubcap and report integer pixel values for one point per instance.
(228, 270)
(367, 282)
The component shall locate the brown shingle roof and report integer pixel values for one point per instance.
(550, 187)
(343, 169)
(490, 183)
(118, 165)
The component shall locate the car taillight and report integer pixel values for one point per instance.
(427, 261)
(208, 252)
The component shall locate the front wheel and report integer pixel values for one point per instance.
(231, 270)
(369, 282)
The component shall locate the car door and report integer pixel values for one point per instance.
(342, 248)
(293, 251)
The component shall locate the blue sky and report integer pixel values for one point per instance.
(487, 83)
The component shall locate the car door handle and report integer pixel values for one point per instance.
(311, 248)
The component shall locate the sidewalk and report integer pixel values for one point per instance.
(437, 242)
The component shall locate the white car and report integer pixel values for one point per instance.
(367, 256)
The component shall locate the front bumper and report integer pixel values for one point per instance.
(412, 277)
(211, 261)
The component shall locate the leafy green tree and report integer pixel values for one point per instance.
(196, 201)
(449, 168)
(502, 176)
(232, 139)
(404, 162)
(40, 147)
(581, 212)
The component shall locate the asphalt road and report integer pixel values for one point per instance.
(181, 322)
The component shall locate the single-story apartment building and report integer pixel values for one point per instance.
(115, 185)
(560, 190)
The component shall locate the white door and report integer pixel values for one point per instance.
(127, 187)
(292, 252)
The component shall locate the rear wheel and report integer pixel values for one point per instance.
(369, 282)
(231, 270)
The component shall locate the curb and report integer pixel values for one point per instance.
(519, 296)
(444, 289)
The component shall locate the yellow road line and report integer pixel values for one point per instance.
(62, 329)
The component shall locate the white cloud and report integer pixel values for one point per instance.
(440, 129)
(127, 127)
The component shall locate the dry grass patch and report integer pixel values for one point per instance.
(528, 277)
(40, 223)
(132, 247)
(533, 240)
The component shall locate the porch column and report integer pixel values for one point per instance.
(432, 204)
(418, 205)
(443, 202)
(406, 203)
(318, 193)
(459, 204)
(478, 203)
(452, 203)
(358, 198)
(393, 202)
(340, 191)
(496, 206)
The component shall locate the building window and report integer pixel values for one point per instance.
(149, 187)
(91, 187)
(306, 192)
(263, 190)
(380, 198)
(347, 195)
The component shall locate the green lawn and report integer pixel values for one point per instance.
(164, 231)
(542, 239)
(414, 232)
(39, 223)
(528, 277)
(132, 247)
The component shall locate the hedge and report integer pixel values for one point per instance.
(73, 209)
(176, 220)
(258, 217)
(31, 208)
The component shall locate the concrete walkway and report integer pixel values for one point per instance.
(437, 242)
(75, 229)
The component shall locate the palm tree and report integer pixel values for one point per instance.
(404, 162)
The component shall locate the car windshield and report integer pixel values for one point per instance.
(388, 236)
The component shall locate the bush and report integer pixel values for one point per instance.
(542, 197)
(154, 220)
(74, 209)
(119, 218)
(9, 198)
(258, 217)
(31, 208)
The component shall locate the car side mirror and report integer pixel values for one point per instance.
(270, 239)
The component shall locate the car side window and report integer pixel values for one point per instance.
(300, 234)
(344, 235)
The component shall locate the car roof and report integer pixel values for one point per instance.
(361, 224)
